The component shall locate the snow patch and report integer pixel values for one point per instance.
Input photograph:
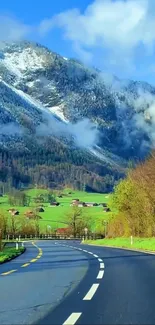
(58, 111)
(23, 61)
(30, 84)
(103, 157)
(11, 67)
(27, 98)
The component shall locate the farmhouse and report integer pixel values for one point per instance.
(40, 209)
(75, 202)
(106, 209)
(91, 204)
(31, 215)
(81, 204)
(54, 204)
(63, 231)
(14, 212)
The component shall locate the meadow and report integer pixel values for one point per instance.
(138, 243)
(56, 216)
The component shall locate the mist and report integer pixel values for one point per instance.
(84, 132)
(137, 115)
(10, 129)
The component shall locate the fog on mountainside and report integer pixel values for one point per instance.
(45, 95)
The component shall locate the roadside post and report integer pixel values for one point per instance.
(131, 240)
(86, 232)
(17, 244)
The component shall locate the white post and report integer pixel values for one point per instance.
(22, 244)
(19, 237)
(131, 240)
(16, 243)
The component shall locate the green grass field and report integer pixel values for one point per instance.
(55, 216)
(138, 243)
(9, 253)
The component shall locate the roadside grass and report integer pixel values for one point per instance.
(56, 216)
(138, 243)
(8, 253)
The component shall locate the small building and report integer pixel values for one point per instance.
(54, 204)
(106, 209)
(40, 209)
(89, 204)
(75, 200)
(14, 212)
(31, 215)
(82, 204)
(62, 231)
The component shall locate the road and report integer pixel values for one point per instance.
(64, 282)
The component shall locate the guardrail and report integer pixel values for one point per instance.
(19, 238)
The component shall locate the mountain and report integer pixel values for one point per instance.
(46, 101)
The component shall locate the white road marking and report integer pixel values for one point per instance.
(71, 320)
(91, 253)
(101, 265)
(100, 274)
(91, 292)
(85, 251)
(100, 260)
(95, 255)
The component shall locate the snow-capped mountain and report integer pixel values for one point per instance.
(37, 84)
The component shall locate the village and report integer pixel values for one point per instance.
(32, 214)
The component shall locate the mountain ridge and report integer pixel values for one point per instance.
(42, 93)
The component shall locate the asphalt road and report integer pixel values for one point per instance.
(65, 282)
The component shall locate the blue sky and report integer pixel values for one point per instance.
(117, 36)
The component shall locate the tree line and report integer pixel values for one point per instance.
(53, 166)
(134, 200)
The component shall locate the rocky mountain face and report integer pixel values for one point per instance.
(43, 94)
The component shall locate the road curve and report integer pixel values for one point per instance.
(35, 282)
(72, 283)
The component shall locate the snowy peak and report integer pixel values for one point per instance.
(43, 80)
(20, 59)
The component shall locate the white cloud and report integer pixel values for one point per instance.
(118, 26)
(12, 29)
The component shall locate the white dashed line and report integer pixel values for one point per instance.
(85, 251)
(101, 265)
(100, 260)
(71, 320)
(95, 255)
(91, 292)
(100, 275)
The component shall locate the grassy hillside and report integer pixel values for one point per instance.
(55, 216)
(138, 243)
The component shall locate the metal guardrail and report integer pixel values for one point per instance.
(48, 237)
